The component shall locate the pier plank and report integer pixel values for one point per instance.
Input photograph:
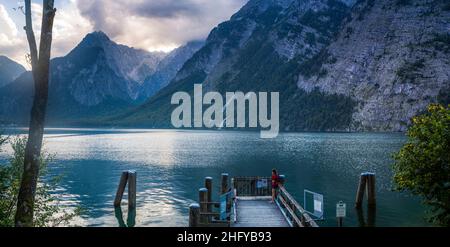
(259, 213)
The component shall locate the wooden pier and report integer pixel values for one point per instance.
(259, 213)
(247, 203)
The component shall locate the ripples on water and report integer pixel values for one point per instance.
(171, 166)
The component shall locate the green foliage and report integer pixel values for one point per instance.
(422, 165)
(47, 211)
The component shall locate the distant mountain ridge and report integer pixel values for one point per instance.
(9, 70)
(97, 78)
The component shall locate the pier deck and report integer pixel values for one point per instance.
(247, 204)
(258, 213)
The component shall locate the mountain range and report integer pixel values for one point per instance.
(339, 65)
(97, 78)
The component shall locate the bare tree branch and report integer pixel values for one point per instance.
(30, 35)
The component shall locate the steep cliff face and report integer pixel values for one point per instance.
(9, 70)
(262, 48)
(289, 28)
(392, 58)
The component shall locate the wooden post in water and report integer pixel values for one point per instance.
(360, 215)
(203, 199)
(132, 189)
(371, 190)
(119, 216)
(194, 215)
(224, 184)
(371, 216)
(361, 190)
(121, 189)
(208, 186)
(131, 219)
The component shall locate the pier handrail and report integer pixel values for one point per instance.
(204, 213)
(261, 187)
(252, 186)
(294, 212)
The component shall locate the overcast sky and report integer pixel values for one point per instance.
(153, 25)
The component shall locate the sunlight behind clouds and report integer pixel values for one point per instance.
(10, 41)
(69, 28)
(160, 25)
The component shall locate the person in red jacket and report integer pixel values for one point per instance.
(275, 182)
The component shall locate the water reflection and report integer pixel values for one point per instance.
(371, 217)
(172, 165)
(131, 219)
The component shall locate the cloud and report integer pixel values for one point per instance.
(157, 25)
(11, 44)
(68, 29)
(147, 24)
(167, 9)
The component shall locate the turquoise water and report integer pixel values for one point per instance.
(171, 166)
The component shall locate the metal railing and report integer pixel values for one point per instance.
(252, 186)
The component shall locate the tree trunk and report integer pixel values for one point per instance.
(40, 69)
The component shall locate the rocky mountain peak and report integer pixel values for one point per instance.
(97, 37)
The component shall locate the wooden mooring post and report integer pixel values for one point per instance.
(224, 184)
(194, 215)
(371, 190)
(203, 199)
(132, 189)
(127, 177)
(121, 189)
(208, 186)
(366, 180)
(361, 191)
